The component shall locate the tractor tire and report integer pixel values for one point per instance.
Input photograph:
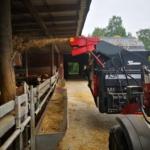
(117, 139)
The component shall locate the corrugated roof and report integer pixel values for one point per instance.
(49, 18)
(129, 43)
(54, 14)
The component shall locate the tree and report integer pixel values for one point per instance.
(129, 34)
(98, 32)
(89, 35)
(144, 36)
(115, 27)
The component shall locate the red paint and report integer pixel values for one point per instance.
(138, 113)
(146, 90)
(82, 50)
(61, 72)
(85, 44)
(59, 88)
(130, 109)
(83, 41)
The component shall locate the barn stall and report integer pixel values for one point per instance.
(33, 40)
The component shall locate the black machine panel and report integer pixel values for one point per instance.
(122, 68)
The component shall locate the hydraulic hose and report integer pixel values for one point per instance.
(142, 109)
(122, 62)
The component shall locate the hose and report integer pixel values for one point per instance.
(142, 109)
(122, 62)
(120, 69)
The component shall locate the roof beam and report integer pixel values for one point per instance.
(46, 8)
(35, 15)
(51, 26)
(51, 8)
(46, 19)
(38, 19)
(30, 29)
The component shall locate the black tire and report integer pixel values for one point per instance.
(117, 139)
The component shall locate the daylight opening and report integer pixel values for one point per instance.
(73, 68)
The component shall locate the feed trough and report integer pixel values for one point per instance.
(54, 122)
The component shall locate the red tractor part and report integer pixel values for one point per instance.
(84, 44)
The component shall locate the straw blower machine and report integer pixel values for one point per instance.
(120, 84)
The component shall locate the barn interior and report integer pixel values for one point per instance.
(34, 47)
(40, 32)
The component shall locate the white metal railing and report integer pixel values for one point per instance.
(21, 111)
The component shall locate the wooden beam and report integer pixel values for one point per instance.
(38, 19)
(50, 8)
(35, 15)
(45, 19)
(52, 60)
(46, 8)
(30, 29)
(50, 26)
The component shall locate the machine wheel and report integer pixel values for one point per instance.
(117, 139)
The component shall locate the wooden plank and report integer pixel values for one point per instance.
(51, 8)
(43, 90)
(50, 26)
(24, 97)
(6, 123)
(52, 79)
(35, 15)
(46, 20)
(43, 84)
(6, 108)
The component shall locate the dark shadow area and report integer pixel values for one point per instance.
(76, 77)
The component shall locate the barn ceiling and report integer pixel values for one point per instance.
(39, 19)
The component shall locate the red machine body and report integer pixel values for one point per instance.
(84, 44)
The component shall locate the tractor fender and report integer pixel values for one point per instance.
(136, 132)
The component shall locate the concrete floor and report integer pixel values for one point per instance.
(88, 129)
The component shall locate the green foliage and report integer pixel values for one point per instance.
(98, 32)
(73, 68)
(129, 34)
(144, 36)
(114, 28)
(89, 35)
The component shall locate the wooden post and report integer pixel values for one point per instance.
(52, 58)
(26, 57)
(7, 76)
(32, 122)
(61, 68)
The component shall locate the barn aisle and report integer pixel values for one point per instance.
(88, 129)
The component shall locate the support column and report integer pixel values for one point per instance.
(52, 58)
(7, 76)
(61, 67)
(26, 63)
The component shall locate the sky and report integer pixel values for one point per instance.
(135, 14)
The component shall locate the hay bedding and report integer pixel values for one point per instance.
(57, 96)
(84, 97)
(53, 117)
(60, 84)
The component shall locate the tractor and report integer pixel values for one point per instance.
(119, 80)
